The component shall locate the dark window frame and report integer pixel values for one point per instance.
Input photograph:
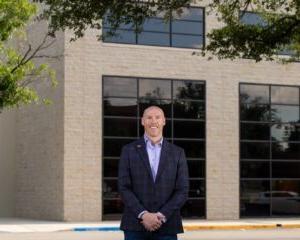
(170, 32)
(270, 160)
(171, 139)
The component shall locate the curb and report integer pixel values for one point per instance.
(201, 227)
(238, 227)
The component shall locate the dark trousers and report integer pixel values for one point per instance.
(135, 235)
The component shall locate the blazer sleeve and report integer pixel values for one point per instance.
(125, 185)
(181, 190)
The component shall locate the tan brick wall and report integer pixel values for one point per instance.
(39, 144)
(7, 162)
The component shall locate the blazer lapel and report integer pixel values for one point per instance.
(163, 159)
(141, 148)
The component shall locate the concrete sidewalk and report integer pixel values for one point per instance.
(17, 225)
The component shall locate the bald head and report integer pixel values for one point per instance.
(153, 108)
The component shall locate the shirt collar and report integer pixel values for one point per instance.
(147, 139)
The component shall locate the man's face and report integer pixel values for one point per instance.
(153, 121)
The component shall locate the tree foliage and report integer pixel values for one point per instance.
(280, 31)
(231, 41)
(17, 69)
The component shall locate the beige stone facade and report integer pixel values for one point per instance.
(58, 148)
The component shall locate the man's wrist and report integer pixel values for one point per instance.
(140, 216)
(161, 217)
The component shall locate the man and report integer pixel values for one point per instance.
(153, 183)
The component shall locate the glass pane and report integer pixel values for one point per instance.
(120, 36)
(197, 188)
(120, 127)
(124, 26)
(187, 41)
(286, 169)
(193, 208)
(113, 147)
(288, 95)
(193, 149)
(155, 89)
(189, 129)
(119, 87)
(151, 38)
(110, 189)
(255, 189)
(256, 150)
(285, 113)
(285, 150)
(166, 131)
(286, 206)
(120, 107)
(189, 109)
(254, 93)
(195, 14)
(255, 169)
(250, 112)
(165, 105)
(255, 207)
(157, 25)
(285, 132)
(251, 131)
(196, 168)
(110, 167)
(112, 209)
(251, 18)
(187, 27)
(188, 90)
(290, 188)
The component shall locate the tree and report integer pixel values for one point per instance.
(233, 40)
(17, 70)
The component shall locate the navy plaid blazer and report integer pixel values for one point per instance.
(139, 192)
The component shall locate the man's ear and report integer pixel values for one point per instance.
(142, 121)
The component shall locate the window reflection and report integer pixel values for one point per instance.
(155, 89)
(110, 167)
(285, 114)
(251, 112)
(285, 132)
(119, 107)
(254, 93)
(186, 41)
(152, 38)
(188, 90)
(250, 131)
(196, 168)
(255, 169)
(189, 109)
(255, 189)
(113, 147)
(285, 95)
(120, 36)
(197, 188)
(188, 210)
(119, 87)
(290, 186)
(285, 150)
(187, 27)
(157, 25)
(120, 127)
(189, 129)
(112, 209)
(255, 208)
(252, 150)
(110, 189)
(193, 149)
(286, 169)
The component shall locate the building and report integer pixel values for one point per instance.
(237, 120)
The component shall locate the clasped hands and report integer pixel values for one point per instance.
(152, 221)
